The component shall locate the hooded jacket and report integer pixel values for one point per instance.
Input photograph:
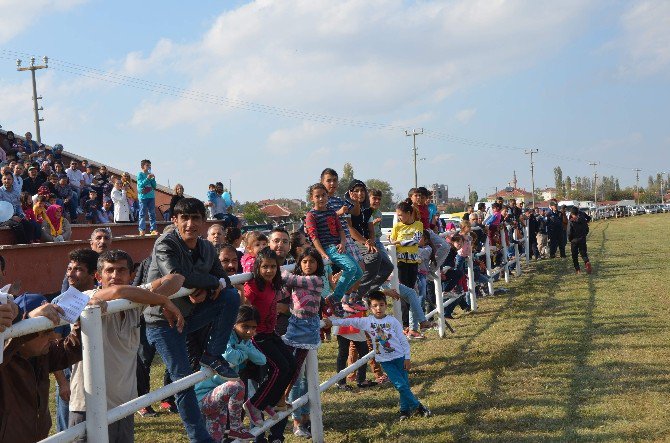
(578, 229)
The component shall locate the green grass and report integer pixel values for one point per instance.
(561, 357)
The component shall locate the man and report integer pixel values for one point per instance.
(100, 181)
(18, 177)
(120, 334)
(24, 371)
(100, 241)
(30, 146)
(514, 210)
(76, 178)
(212, 302)
(468, 211)
(18, 224)
(555, 230)
(578, 229)
(33, 182)
(215, 202)
(533, 230)
(216, 235)
(106, 213)
(146, 185)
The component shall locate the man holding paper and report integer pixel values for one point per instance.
(120, 331)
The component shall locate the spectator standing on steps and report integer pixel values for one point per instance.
(146, 185)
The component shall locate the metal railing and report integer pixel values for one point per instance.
(97, 415)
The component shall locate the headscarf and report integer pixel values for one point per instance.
(56, 224)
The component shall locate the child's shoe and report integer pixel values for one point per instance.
(423, 411)
(270, 411)
(241, 434)
(301, 431)
(254, 414)
(404, 415)
(587, 265)
(415, 335)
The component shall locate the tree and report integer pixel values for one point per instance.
(252, 213)
(568, 187)
(473, 198)
(345, 179)
(558, 181)
(387, 193)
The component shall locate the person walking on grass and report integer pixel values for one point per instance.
(578, 229)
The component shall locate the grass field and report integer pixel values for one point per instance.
(561, 357)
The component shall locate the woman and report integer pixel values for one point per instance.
(55, 227)
(120, 200)
(131, 195)
(178, 195)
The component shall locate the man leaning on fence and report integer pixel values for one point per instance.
(213, 301)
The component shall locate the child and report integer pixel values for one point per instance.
(211, 200)
(261, 292)
(221, 400)
(131, 194)
(465, 249)
(578, 229)
(329, 239)
(254, 242)
(30, 216)
(348, 336)
(406, 234)
(391, 350)
(91, 205)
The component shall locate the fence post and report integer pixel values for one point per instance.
(526, 232)
(314, 395)
(518, 259)
(471, 284)
(439, 304)
(93, 365)
(505, 260)
(489, 271)
(395, 281)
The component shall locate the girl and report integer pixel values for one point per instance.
(466, 247)
(31, 218)
(131, 194)
(55, 227)
(221, 400)
(328, 237)
(406, 234)
(261, 292)
(253, 243)
(120, 199)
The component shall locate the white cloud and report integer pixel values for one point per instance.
(646, 39)
(288, 139)
(17, 15)
(356, 59)
(464, 116)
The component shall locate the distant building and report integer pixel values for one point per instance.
(549, 193)
(278, 214)
(512, 191)
(440, 194)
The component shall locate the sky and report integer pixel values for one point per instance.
(265, 94)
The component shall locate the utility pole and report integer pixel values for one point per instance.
(414, 133)
(532, 172)
(637, 185)
(469, 194)
(595, 184)
(662, 193)
(32, 68)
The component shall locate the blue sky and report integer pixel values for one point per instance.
(580, 81)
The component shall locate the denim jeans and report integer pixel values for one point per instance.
(147, 206)
(421, 283)
(62, 406)
(351, 272)
(171, 345)
(416, 314)
(395, 370)
(298, 390)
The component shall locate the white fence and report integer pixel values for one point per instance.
(98, 417)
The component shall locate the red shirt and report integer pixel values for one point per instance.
(266, 303)
(423, 210)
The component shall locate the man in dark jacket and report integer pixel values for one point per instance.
(578, 229)
(214, 301)
(533, 229)
(24, 373)
(555, 230)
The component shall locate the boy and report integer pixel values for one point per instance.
(578, 229)
(391, 349)
(146, 184)
(91, 206)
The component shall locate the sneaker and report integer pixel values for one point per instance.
(254, 414)
(404, 415)
(154, 232)
(415, 335)
(426, 324)
(343, 386)
(301, 431)
(141, 233)
(358, 306)
(147, 412)
(366, 384)
(423, 411)
(270, 411)
(169, 406)
(241, 434)
(219, 366)
(348, 308)
(587, 265)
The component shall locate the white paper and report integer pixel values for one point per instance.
(72, 302)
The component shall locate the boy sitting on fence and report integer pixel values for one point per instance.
(391, 350)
